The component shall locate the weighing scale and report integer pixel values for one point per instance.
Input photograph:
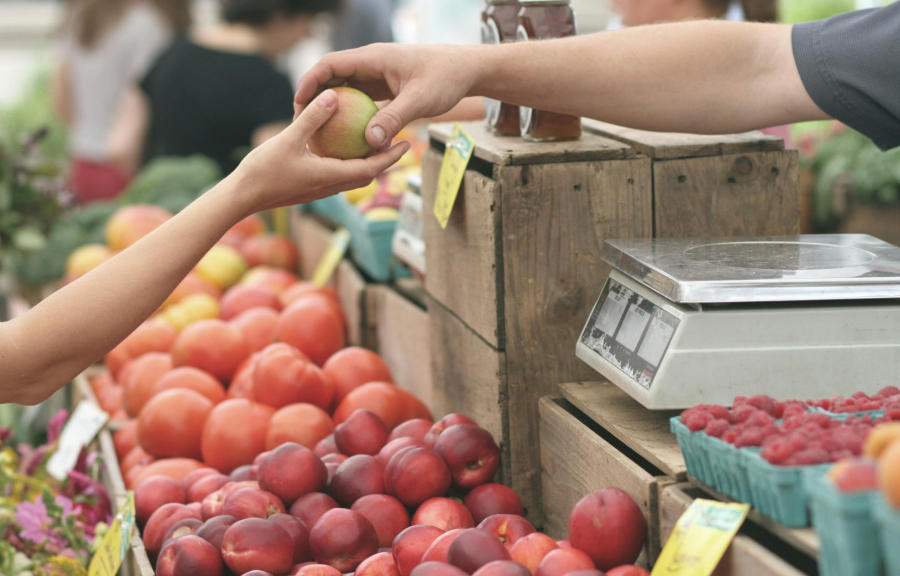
(687, 321)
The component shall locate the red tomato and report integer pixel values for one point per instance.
(174, 468)
(284, 376)
(352, 367)
(141, 376)
(304, 424)
(392, 404)
(171, 423)
(212, 346)
(235, 434)
(125, 438)
(192, 379)
(239, 299)
(312, 326)
(258, 327)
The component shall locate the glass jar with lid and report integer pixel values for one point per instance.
(540, 20)
(499, 23)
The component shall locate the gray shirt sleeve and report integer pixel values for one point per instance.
(850, 65)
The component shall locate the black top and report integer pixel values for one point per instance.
(850, 65)
(205, 101)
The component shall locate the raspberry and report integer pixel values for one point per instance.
(820, 420)
(742, 413)
(695, 421)
(764, 403)
(760, 419)
(860, 395)
(738, 400)
(888, 391)
(717, 427)
(892, 416)
(720, 412)
(777, 451)
(844, 439)
(811, 457)
(751, 437)
(730, 436)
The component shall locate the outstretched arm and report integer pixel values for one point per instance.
(701, 77)
(52, 343)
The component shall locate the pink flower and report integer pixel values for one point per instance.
(54, 428)
(36, 524)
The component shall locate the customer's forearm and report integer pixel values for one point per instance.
(702, 77)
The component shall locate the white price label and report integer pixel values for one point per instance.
(79, 431)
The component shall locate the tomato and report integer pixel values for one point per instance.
(283, 376)
(242, 383)
(239, 299)
(275, 279)
(303, 289)
(174, 468)
(135, 457)
(102, 381)
(192, 379)
(213, 346)
(269, 250)
(394, 405)
(125, 438)
(258, 327)
(117, 358)
(235, 434)
(250, 226)
(151, 336)
(304, 424)
(352, 367)
(110, 399)
(140, 380)
(171, 423)
(312, 326)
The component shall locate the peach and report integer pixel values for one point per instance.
(212, 504)
(197, 507)
(153, 493)
(160, 522)
(356, 477)
(269, 250)
(213, 530)
(196, 475)
(414, 475)
(213, 346)
(417, 428)
(86, 259)
(362, 433)
(396, 445)
(437, 552)
(283, 376)
(880, 438)
(181, 528)
(334, 458)
(530, 549)
(489, 499)
(447, 421)
(311, 507)
(239, 299)
(507, 527)
(470, 453)
(352, 367)
(436, 569)
(342, 539)
(241, 473)
(386, 514)
(257, 544)
(562, 562)
(410, 546)
(291, 471)
(190, 556)
(889, 475)
(325, 446)
(252, 503)
(564, 544)
(855, 475)
(190, 286)
(626, 570)
(503, 568)
(608, 525)
(299, 535)
(205, 486)
(343, 136)
(313, 569)
(258, 327)
(381, 564)
(474, 548)
(443, 513)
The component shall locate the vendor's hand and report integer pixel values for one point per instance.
(283, 171)
(421, 81)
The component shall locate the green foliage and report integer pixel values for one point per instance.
(34, 112)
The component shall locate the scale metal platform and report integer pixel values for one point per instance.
(701, 320)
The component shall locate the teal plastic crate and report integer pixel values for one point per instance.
(847, 527)
(371, 244)
(779, 492)
(729, 469)
(845, 415)
(696, 454)
(888, 520)
(334, 208)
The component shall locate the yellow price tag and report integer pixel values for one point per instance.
(332, 257)
(453, 170)
(112, 550)
(700, 539)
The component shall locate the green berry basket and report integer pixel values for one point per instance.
(371, 244)
(779, 492)
(694, 447)
(333, 208)
(844, 415)
(730, 469)
(888, 520)
(847, 527)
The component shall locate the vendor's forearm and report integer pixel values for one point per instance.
(702, 77)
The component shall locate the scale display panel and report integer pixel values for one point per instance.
(630, 332)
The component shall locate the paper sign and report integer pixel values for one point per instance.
(340, 240)
(453, 169)
(79, 431)
(700, 539)
(408, 244)
(112, 550)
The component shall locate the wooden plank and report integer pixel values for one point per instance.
(645, 431)
(469, 376)
(745, 556)
(351, 288)
(312, 237)
(506, 151)
(465, 261)
(667, 145)
(555, 219)
(576, 461)
(754, 194)
(402, 336)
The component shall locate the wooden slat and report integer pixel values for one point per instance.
(464, 259)
(402, 336)
(645, 431)
(576, 461)
(752, 194)
(469, 376)
(745, 556)
(351, 288)
(506, 151)
(555, 219)
(666, 145)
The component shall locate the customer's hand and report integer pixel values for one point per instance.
(283, 172)
(421, 81)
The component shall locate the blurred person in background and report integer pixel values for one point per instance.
(105, 46)
(364, 22)
(217, 91)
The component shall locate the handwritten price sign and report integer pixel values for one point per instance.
(453, 169)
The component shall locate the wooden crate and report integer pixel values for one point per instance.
(577, 458)
(746, 556)
(518, 269)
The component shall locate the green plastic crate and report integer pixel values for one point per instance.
(888, 520)
(779, 492)
(696, 454)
